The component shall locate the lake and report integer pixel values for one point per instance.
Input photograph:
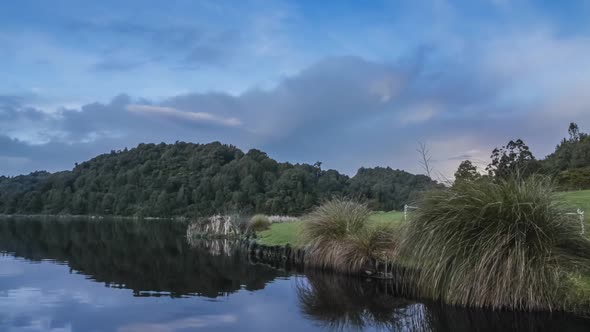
(121, 275)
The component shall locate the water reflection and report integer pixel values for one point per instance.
(53, 273)
(150, 257)
(342, 303)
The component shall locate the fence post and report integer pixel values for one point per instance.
(581, 214)
(405, 212)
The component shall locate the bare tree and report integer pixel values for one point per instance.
(425, 158)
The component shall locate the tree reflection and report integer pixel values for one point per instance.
(344, 303)
(150, 257)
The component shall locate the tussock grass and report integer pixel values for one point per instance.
(495, 244)
(339, 238)
(259, 222)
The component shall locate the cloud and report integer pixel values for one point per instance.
(188, 116)
(346, 111)
(125, 45)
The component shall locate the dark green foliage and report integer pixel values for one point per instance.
(574, 179)
(514, 157)
(500, 244)
(185, 179)
(467, 172)
(570, 161)
(386, 189)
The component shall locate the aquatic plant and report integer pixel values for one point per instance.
(259, 222)
(339, 238)
(495, 243)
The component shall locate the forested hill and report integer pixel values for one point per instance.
(197, 179)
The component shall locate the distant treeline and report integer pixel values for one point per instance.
(569, 165)
(185, 179)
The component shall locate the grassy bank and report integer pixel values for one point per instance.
(577, 199)
(289, 233)
(498, 245)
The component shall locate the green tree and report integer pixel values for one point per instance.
(467, 172)
(513, 158)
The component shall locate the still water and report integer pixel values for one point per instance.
(127, 276)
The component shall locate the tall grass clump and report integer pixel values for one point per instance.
(338, 237)
(496, 244)
(259, 222)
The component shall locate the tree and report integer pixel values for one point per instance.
(513, 158)
(186, 179)
(425, 158)
(574, 132)
(467, 172)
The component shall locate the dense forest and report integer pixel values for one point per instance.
(185, 179)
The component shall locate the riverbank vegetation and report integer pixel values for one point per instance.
(258, 222)
(280, 234)
(506, 243)
(338, 237)
(498, 244)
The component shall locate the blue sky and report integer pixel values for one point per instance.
(349, 83)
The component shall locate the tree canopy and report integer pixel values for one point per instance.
(186, 179)
(569, 164)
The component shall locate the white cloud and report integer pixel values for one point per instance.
(189, 116)
(419, 113)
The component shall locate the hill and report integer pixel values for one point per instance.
(186, 179)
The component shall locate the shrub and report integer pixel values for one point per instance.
(259, 222)
(574, 179)
(497, 244)
(338, 237)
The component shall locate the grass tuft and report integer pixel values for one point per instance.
(339, 238)
(496, 244)
(259, 222)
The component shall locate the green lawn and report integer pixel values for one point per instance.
(283, 233)
(280, 234)
(578, 199)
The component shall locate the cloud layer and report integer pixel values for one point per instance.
(282, 79)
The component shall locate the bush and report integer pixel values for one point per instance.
(574, 179)
(259, 222)
(495, 244)
(338, 237)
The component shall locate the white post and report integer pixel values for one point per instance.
(581, 214)
(405, 212)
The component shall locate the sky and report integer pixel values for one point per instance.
(347, 83)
